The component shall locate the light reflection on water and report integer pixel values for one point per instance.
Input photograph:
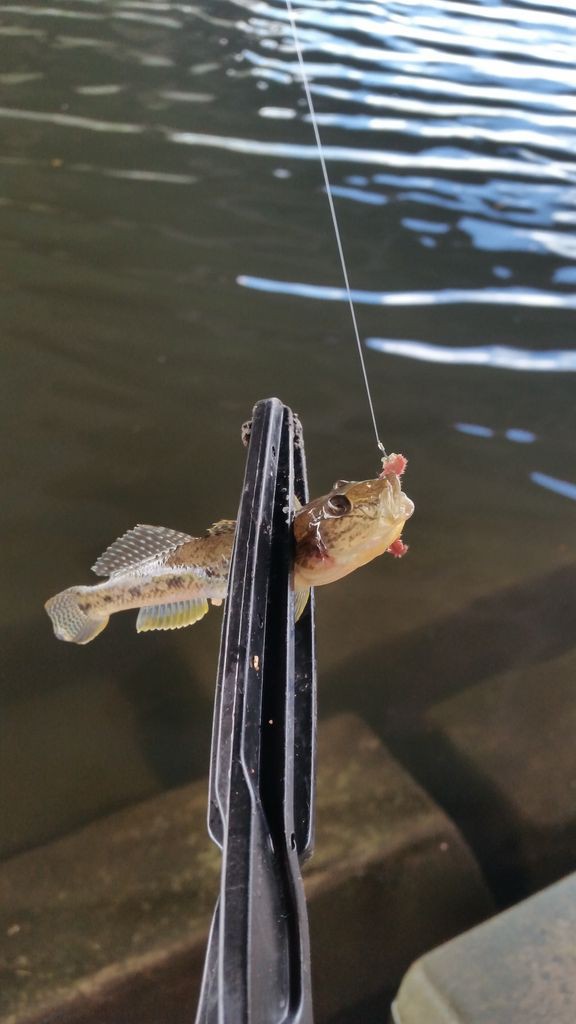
(495, 129)
(500, 356)
(163, 231)
(551, 483)
(446, 296)
(515, 434)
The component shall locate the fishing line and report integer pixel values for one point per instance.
(306, 85)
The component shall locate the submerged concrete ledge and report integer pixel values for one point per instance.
(109, 925)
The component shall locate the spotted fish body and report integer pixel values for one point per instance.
(170, 577)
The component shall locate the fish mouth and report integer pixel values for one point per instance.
(394, 502)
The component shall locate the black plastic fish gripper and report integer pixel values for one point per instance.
(261, 803)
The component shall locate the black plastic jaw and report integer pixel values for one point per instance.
(261, 804)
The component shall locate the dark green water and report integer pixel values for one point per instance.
(165, 254)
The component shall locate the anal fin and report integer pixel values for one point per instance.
(171, 616)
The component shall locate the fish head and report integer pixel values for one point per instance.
(348, 527)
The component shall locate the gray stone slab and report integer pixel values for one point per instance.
(518, 968)
(109, 925)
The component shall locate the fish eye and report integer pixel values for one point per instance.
(338, 505)
(340, 484)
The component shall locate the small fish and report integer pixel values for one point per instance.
(170, 576)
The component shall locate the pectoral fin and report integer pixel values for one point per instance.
(171, 616)
(300, 602)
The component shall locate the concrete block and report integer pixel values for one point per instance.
(109, 925)
(518, 968)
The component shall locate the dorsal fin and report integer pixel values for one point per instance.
(222, 526)
(137, 546)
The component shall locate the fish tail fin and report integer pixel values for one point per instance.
(70, 620)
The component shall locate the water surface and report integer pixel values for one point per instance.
(167, 260)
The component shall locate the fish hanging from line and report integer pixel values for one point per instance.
(170, 577)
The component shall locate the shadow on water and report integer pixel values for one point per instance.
(171, 710)
(512, 628)
(139, 714)
(509, 631)
(516, 857)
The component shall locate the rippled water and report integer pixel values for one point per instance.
(168, 259)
